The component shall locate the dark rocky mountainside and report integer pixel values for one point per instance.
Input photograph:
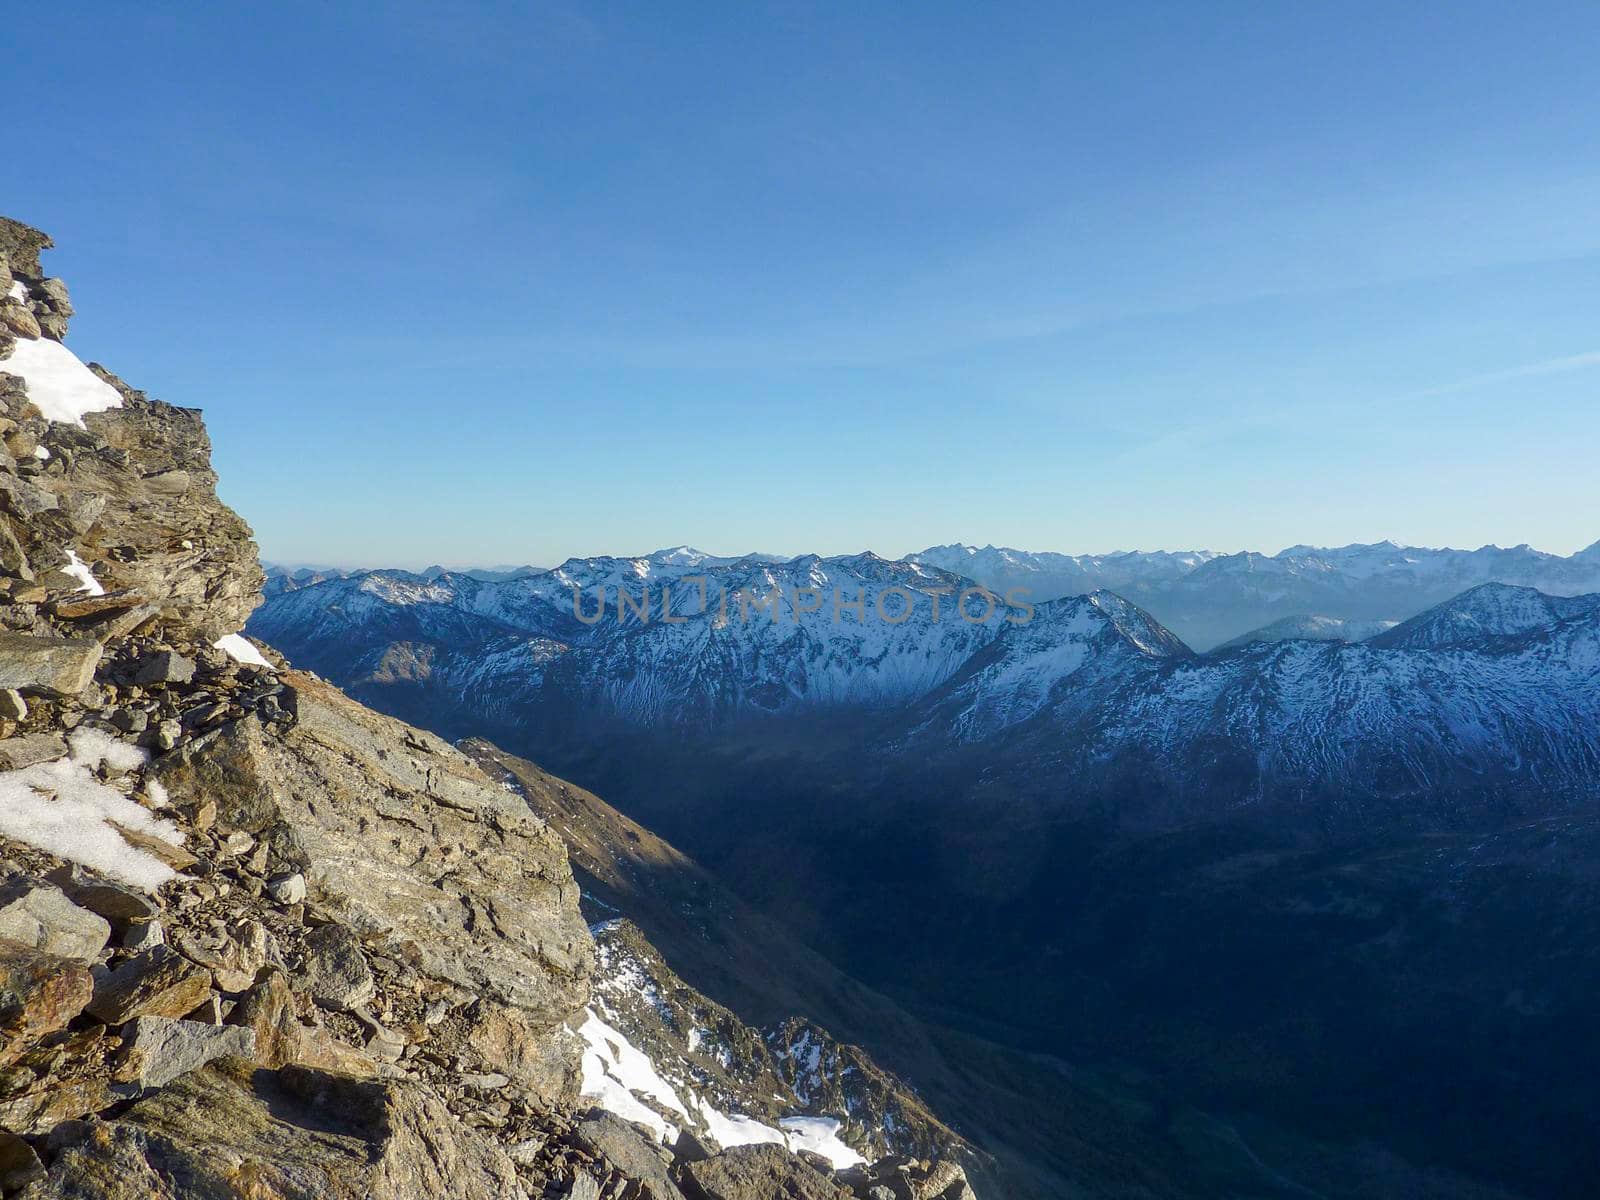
(257, 940)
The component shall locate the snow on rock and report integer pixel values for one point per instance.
(620, 1078)
(59, 384)
(820, 1135)
(732, 1129)
(18, 290)
(79, 570)
(242, 650)
(614, 1070)
(61, 808)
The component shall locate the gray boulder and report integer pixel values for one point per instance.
(166, 666)
(118, 904)
(42, 917)
(764, 1172)
(336, 968)
(29, 749)
(616, 1142)
(161, 1049)
(54, 666)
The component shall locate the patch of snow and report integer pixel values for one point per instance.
(42, 453)
(61, 808)
(57, 382)
(80, 571)
(18, 290)
(734, 1130)
(241, 650)
(820, 1135)
(614, 1070)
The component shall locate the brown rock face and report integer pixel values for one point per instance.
(131, 493)
(157, 983)
(39, 993)
(20, 245)
(232, 1131)
(18, 320)
(181, 547)
(281, 1040)
(420, 857)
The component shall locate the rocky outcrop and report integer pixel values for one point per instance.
(755, 1173)
(235, 1131)
(21, 245)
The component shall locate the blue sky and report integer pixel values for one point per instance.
(488, 283)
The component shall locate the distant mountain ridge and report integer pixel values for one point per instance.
(1208, 598)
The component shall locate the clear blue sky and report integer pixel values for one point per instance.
(507, 282)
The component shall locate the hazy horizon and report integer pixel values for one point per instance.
(290, 562)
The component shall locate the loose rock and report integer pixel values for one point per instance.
(157, 983)
(161, 1049)
(53, 666)
(336, 968)
(39, 994)
(43, 917)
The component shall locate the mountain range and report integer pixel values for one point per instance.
(1265, 873)
(1486, 694)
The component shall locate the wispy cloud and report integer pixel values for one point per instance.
(1549, 366)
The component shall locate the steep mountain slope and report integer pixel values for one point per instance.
(1076, 651)
(1055, 1127)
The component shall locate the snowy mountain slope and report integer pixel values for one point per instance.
(1483, 615)
(1492, 689)
(1074, 650)
(1494, 693)
(1048, 576)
